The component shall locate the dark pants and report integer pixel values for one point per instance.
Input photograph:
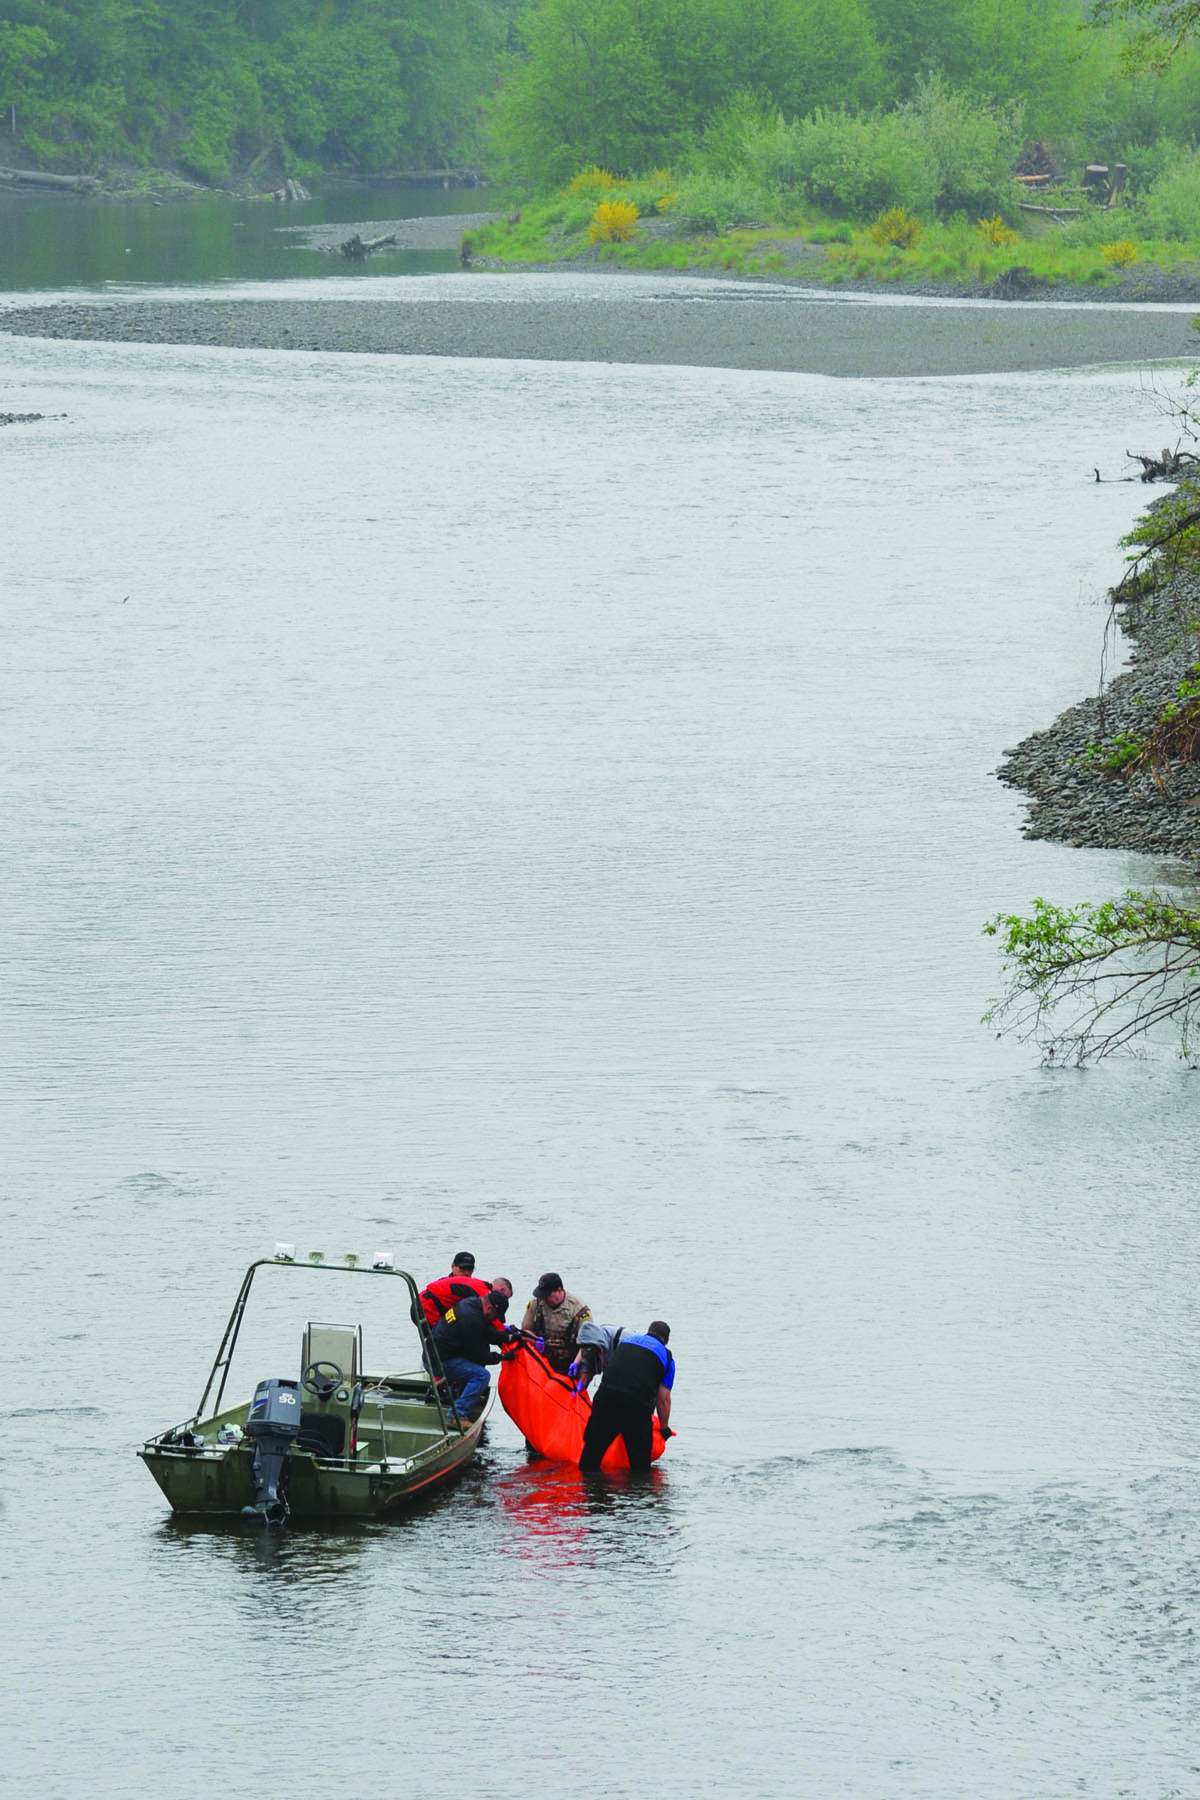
(616, 1414)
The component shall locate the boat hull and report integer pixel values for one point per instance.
(219, 1479)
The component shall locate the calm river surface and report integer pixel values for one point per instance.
(548, 808)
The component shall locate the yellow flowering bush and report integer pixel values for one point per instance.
(613, 222)
(995, 231)
(1121, 255)
(897, 226)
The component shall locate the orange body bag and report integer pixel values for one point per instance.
(545, 1406)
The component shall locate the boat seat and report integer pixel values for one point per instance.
(324, 1434)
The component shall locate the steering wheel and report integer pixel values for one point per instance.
(322, 1379)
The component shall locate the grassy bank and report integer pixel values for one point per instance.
(652, 226)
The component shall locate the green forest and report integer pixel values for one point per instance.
(834, 99)
(218, 88)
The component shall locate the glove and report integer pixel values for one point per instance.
(539, 1345)
(575, 1371)
(666, 1432)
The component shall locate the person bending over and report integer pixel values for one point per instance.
(463, 1339)
(596, 1345)
(637, 1383)
(462, 1281)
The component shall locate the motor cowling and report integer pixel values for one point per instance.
(272, 1425)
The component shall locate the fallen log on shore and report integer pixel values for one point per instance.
(1051, 212)
(80, 184)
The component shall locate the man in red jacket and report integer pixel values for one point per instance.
(437, 1299)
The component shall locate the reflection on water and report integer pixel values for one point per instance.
(560, 1520)
(550, 810)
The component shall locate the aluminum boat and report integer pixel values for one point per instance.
(328, 1440)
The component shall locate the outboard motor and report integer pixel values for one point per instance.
(273, 1423)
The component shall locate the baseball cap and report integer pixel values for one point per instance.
(547, 1285)
(464, 1260)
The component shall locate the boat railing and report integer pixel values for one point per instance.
(448, 1412)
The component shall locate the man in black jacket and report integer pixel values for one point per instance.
(636, 1383)
(463, 1339)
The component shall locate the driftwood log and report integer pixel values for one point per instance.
(79, 184)
(356, 249)
(1170, 466)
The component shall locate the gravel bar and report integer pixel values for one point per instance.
(778, 331)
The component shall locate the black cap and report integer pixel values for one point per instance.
(464, 1261)
(497, 1301)
(549, 1284)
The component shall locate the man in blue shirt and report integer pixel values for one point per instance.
(636, 1383)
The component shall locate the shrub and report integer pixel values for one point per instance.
(1121, 255)
(973, 148)
(653, 193)
(613, 222)
(995, 231)
(1170, 208)
(717, 204)
(593, 181)
(942, 152)
(854, 166)
(897, 226)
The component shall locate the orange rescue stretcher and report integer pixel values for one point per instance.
(546, 1407)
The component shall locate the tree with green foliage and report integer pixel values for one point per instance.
(632, 84)
(1164, 27)
(1086, 981)
(216, 85)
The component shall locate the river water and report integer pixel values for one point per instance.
(549, 808)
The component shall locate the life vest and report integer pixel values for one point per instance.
(437, 1299)
(547, 1409)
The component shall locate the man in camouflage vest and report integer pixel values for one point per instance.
(556, 1316)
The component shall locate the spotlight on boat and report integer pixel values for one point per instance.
(285, 1253)
(316, 1256)
(272, 1426)
(383, 1259)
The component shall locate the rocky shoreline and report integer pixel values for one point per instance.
(1074, 799)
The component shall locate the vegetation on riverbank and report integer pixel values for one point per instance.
(848, 104)
(690, 226)
(1087, 980)
(762, 193)
(211, 88)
